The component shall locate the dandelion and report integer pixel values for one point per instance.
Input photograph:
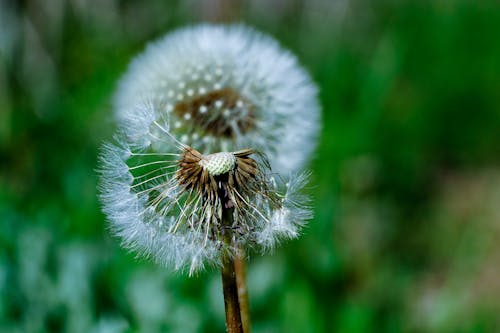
(225, 88)
(170, 204)
(206, 116)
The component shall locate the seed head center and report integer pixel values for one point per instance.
(218, 163)
(217, 112)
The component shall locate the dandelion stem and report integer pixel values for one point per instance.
(240, 269)
(229, 286)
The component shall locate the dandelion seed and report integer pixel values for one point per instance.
(219, 103)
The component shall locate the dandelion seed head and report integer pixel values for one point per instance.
(197, 114)
(168, 206)
(230, 82)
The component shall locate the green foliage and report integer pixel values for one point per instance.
(406, 175)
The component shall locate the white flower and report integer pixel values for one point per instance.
(224, 88)
(188, 180)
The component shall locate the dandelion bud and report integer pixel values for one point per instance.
(198, 113)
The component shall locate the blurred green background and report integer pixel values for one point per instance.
(406, 236)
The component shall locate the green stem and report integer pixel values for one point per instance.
(229, 286)
(240, 269)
